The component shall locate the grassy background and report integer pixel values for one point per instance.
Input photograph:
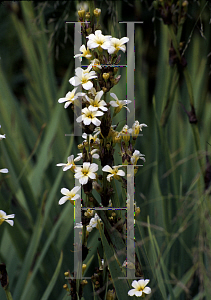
(173, 229)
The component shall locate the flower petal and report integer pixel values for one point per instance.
(11, 222)
(132, 292)
(64, 191)
(83, 180)
(107, 168)
(147, 290)
(114, 96)
(88, 85)
(96, 122)
(121, 173)
(4, 171)
(135, 284)
(75, 189)
(109, 177)
(93, 167)
(124, 40)
(92, 175)
(113, 104)
(63, 200)
(87, 121)
(79, 119)
(138, 293)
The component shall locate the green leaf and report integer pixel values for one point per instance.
(121, 285)
(53, 279)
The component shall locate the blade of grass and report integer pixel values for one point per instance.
(53, 279)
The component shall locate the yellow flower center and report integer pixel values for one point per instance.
(84, 80)
(115, 171)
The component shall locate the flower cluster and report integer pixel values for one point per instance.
(99, 107)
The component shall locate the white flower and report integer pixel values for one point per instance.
(85, 53)
(118, 104)
(140, 288)
(93, 223)
(2, 136)
(86, 172)
(136, 156)
(97, 130)
(93, 154)
(4, 171)
(96, 103)
(70, 97)
(136, 128)
(125, 133)
(114, 172)
(92, 139)
(97, 40)
(70, 163)
(89, 117)
(69, 195)
(114, 45)
(5, 217)
(83, 77)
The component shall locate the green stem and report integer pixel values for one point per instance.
(174, 40)
(8, 294)
(189, 86)
(104, 146)
(169, 98)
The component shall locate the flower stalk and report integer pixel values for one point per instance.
(100, 107)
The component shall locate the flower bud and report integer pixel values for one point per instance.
(80, 146)
(185, 3)
(115, 70)
(87, 16)
(155, 4)
(88, 31)
(117, 79)
(83, 268)
(81, 13)
(135, 170)
(84, 282)
(97, 186)
(137, 211)
(86, 144)
(104, 89)
(65, 287)
(118, 139)
(111, 295)
(106, 76)
(97, 12)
